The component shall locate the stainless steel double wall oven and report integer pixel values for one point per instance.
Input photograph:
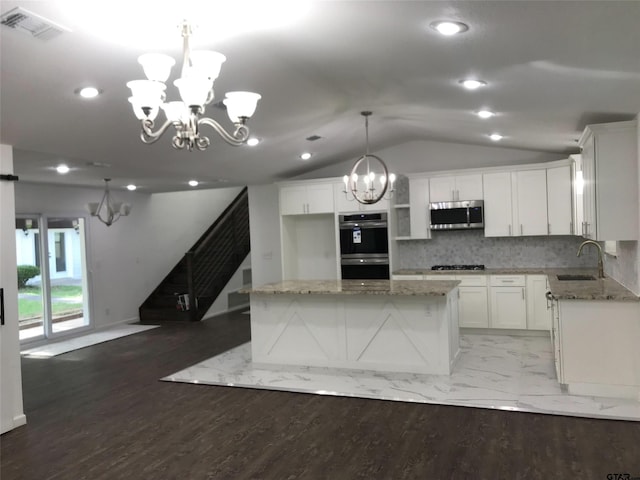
(364, 246)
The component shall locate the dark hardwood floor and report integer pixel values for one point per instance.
(102, 413)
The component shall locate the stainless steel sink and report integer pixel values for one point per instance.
(575, 277)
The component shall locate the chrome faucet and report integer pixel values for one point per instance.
(600, 263)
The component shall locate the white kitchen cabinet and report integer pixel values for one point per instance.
(473, 302)
(306, 199)
(538, 308)
(456, 188)
(498, 209)
(529, 196)
(508, 303)
(559, 201)
(346, 203)
(598, 347)
(515, 203)
(473, 305)
(419, 208)
(577, 203)
(610, 172)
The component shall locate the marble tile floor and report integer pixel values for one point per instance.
(493, 371)
(64, 346)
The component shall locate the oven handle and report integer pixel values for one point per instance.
(365, 261)
(362, 225)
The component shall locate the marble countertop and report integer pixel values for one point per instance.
(599, 289)
(358, 287)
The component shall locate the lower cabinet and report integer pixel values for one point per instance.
(499, 301)
(508, 301)
(473, 302)
(473, 307)
(538, 308)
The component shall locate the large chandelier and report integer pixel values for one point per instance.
(107, 210)
(363, 183)
(200, 68)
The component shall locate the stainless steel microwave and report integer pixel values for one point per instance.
(457, 215)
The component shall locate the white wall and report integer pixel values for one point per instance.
(11, 407)
(430, 156)
(127, 260)
(264, 215)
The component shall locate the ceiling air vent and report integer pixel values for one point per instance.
(28, 22)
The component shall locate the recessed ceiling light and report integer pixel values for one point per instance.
(253, 141)
(88, 92)
(193, 183)
(448, 28)
(131, 187)
(305, 156)
(471, 84)
(496, 137)
(485, 113)
(62, 168)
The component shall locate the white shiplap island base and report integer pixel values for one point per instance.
(380, 325)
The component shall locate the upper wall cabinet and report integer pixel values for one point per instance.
(530, 202)
(306, 199)
(610, 173)
(346, 202)
(515, 203)
(559, 201)
(456, 187)
(498, 207)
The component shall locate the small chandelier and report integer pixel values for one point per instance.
(108, 211)
(362, 186)
(200, 68)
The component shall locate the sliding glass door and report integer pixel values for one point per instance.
(53, 288)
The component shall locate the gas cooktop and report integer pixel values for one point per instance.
(457, 267)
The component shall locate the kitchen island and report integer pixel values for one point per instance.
(381, 325)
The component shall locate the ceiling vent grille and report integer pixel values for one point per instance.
(28, 22)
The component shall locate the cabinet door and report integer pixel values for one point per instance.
(469, 187)
(497, 204)
(473, 307)
(508, 308)
(293, 200)
(538, 309)
(442, 189)
(559, 213)
(531, 201)
(320, 198)
(588, 227)
(419, 208)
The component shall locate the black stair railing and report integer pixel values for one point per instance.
(205, 269)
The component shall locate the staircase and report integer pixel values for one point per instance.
(192, 286)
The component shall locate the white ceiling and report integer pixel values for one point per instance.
(552, 67)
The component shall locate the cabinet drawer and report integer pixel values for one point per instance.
(508, 280)
(406, 277)
(472, 280)
(440, 277)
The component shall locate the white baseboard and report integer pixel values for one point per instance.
(17, 421)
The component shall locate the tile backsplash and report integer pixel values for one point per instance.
(472, 247)
(624, 267)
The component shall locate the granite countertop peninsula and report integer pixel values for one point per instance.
(599, 289)
(414, 288)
